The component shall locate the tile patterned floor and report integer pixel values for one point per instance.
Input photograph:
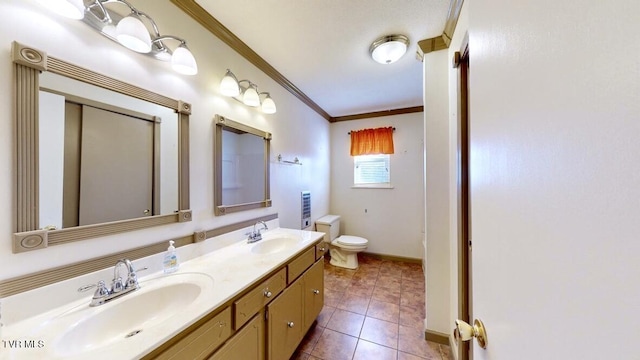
(375, 312)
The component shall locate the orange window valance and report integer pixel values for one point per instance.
(372, 141)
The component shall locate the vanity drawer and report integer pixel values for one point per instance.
(300, 264)
(321, 249)
(249, 304)
(200, 343)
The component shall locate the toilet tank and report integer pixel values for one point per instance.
(330, 226)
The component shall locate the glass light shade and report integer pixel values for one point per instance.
(268, 105)
(72, 9)
(251, 97)
(183, 61)
(229, 85)
(132, 33)
(389, 49)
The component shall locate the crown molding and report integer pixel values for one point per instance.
(442, 42)
(369, 115)
(193, 9)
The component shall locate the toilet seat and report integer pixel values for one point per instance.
(354, 241)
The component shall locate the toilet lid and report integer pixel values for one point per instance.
(352, 240)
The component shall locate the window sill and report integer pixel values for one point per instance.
(373, 186)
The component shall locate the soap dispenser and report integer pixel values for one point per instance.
(170, 262)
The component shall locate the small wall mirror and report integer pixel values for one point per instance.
(241, 165)
(96, 156)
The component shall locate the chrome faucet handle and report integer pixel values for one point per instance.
(99, 295)
(132, 279)
(100, 285)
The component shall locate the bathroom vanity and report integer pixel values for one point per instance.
(266, 321)
(238, 301)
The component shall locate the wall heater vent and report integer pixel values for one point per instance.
(306, 209)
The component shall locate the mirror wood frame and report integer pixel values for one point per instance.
(220, 208)
(28, 64)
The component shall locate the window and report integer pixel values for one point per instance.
(371, 171)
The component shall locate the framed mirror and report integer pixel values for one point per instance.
(241, 167)
(95, 156)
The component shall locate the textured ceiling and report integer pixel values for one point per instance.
(322, 46)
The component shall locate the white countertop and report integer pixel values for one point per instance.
(233, 269)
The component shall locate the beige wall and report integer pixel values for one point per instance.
(393, 221)
(297, 130)
(436, 130)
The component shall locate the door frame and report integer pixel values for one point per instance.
(461, 62)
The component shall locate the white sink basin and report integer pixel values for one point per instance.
(273, 245)
(157, 301)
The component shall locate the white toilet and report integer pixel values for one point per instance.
(343, 249)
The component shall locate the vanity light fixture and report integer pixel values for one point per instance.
(249, 95)
(129, 30)
(389, 48)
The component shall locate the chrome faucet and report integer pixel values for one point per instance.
(256, 235)
(119, 286)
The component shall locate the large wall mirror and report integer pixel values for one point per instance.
(241, 165)
(96, 156)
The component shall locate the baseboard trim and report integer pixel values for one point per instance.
(393, 258)
(436, 337)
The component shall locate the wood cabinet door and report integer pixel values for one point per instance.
(313, 293)
(285, 322)
(247, 344)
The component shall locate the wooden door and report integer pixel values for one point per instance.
(313, 293)
(116, 169)
(285, 322)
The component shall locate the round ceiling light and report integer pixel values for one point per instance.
(389, 48)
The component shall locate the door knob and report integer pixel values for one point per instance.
(465, 332)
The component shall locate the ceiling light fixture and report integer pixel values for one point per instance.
(389, 48)
(129, 30)
(248, 95)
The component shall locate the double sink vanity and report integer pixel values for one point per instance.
(247, 300)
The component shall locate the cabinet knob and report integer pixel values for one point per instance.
(322, 249)
(290, 324)
(316, 291)
(267, 294)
